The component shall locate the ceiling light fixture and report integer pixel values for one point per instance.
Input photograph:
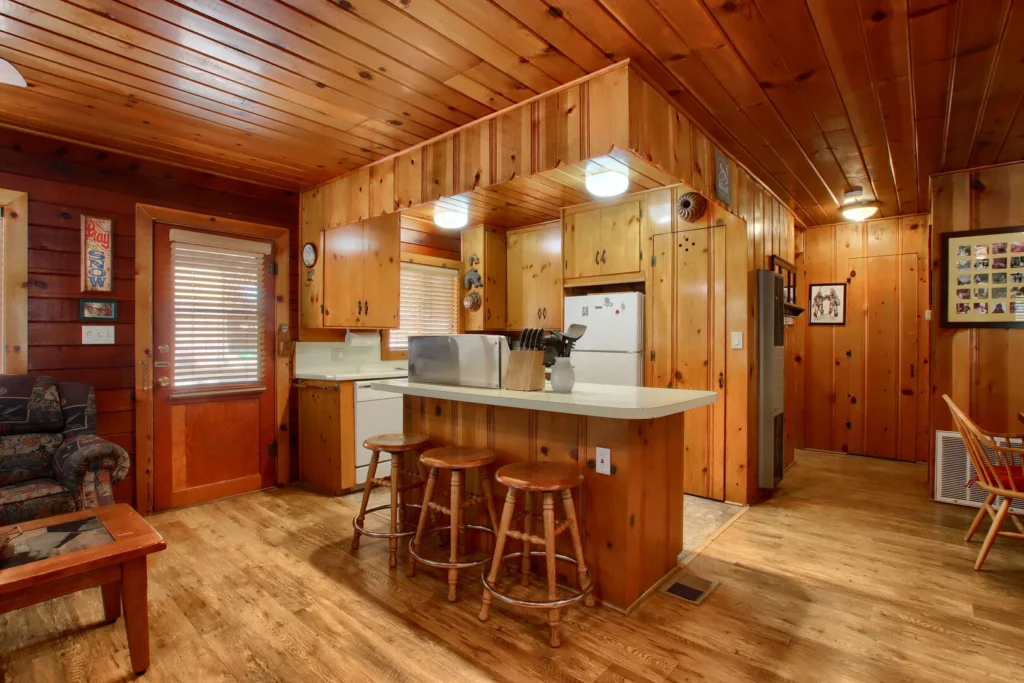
(10, 75)
(855, 209)
(607, 184)
(451, 220)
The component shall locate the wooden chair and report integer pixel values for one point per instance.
(996, 475)
(399, 446)
(457, 460)
(546, 479)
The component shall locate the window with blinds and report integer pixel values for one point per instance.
(429, 303)
(218, 311)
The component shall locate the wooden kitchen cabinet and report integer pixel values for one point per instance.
(327, 459)
(362, 273)
(484, 268)
(604, 241)
(534, 257)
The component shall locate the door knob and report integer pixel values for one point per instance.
(164, 381)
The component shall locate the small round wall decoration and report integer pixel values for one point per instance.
(309, 255)
(691, 206)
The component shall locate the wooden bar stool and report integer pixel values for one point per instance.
(457, 460)
(545, 478)
(399, 446)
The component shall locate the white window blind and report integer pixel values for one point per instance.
(218, 312)
(429, 303)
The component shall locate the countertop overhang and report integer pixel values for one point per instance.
(592, 400)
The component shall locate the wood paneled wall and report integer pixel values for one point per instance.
(841, 411)
(978, 368)
(63, 181)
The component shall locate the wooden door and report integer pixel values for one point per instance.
(879, 345)
(213, 371)
(381, 272)
(620, 239)
(343, 261)
(661, 321)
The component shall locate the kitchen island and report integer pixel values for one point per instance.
(632, 518)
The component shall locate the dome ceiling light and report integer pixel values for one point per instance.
(856, 209)
(451, 220)
(10, 75)
(607, 184)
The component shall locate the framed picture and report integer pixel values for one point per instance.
(97, 309)
(97, 254)
(983, 278)
(827, 304)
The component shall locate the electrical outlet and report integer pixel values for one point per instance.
(604, 460)
(97, 334)
(737, 340)
(337, 355)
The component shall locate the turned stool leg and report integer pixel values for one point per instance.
(554, 614)
(370, 474)
(492, 513)
(499, 550)
(524, 565)
(428, 494)
(396, 484)
(402, 510)
(453, 551)
(577, 544)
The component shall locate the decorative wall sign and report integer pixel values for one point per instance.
(723, 175)
(827, 304)
(97, 309)
(97, 254)
(983, 278)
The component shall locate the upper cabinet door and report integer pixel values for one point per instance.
(583, 243)
(519, 294)
(546, 275)
(620, 239)
(381, 271)
(343, 275)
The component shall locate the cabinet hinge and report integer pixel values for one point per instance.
(654, 261)
(641, 256)
(653, 354)
(641, 213)
(272, 449)
(272, 267)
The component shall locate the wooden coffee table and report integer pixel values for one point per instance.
(104, 547)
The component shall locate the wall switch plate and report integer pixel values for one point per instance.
(337, 355)
(97, 334)
(604, 460)
(928, 314)
(737, 340)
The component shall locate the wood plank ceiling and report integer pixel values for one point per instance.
(813, 96)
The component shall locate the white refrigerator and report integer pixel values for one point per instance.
(611, 350)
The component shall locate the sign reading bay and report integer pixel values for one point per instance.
(97, 254)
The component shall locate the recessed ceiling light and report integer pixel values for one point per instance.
(451, 220)
(10, 76)
(607, 184)
(854, 208)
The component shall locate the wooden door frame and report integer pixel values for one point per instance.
(146, 215)
(15, 287)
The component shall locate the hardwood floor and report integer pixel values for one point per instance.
(849, 573)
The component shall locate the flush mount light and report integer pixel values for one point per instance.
(451, 220)
(10, 76)
(855, 209)
(607, 184)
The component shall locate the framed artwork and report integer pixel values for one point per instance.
(827, 304)
(97, 309)
(97, 254)
(983, 278)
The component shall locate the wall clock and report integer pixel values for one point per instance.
(309, 255)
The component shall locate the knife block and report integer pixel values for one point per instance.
(525, 371)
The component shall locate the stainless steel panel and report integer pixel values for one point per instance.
(466, 360)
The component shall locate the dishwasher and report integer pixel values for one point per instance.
(377, 412)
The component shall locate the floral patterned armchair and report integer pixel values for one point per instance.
(51, 459)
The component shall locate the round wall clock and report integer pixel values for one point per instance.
(309, 255)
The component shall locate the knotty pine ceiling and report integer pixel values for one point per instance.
(813, 96)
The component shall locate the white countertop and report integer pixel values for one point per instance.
(593, 400)
(355, 374)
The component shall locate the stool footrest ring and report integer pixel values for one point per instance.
(384, 534)
(445, 564)
(576, 596)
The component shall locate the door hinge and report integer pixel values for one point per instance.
(641, 213)
(272, 449)
(654, 261)
(652, 354)
(272, 267)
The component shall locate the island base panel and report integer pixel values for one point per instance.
(631, 521)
